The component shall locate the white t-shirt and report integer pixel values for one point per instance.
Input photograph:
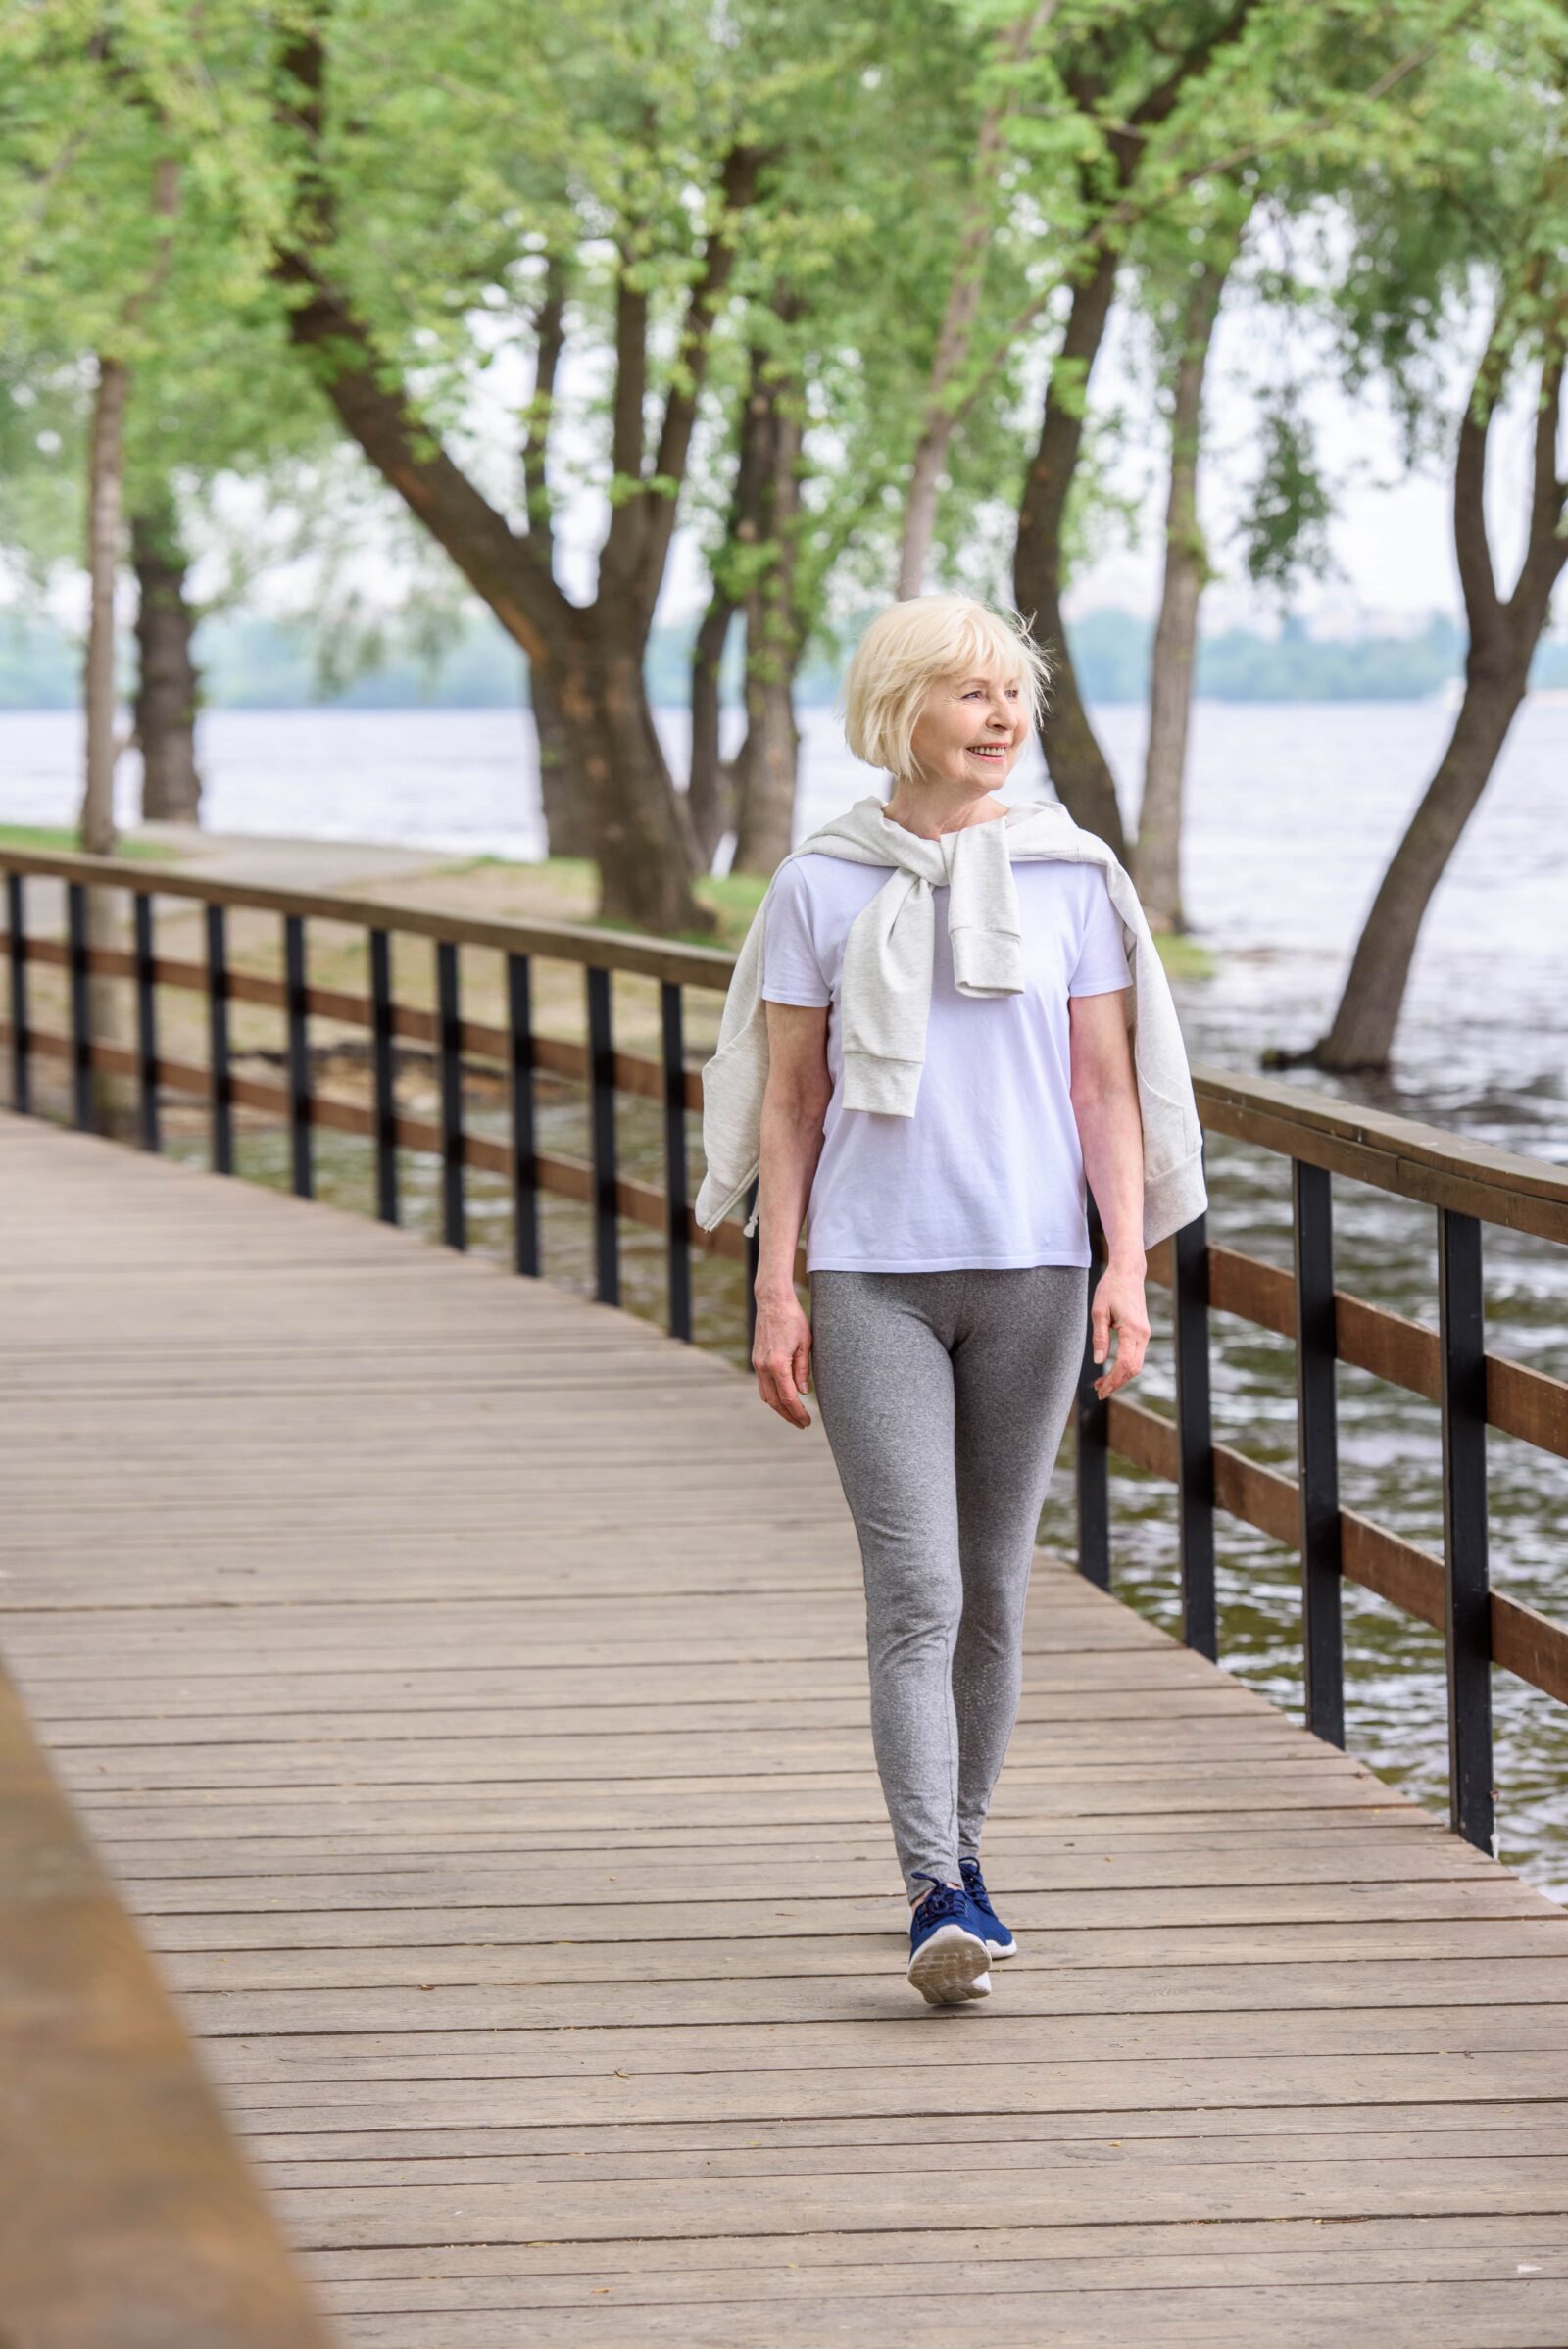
(988, 1172)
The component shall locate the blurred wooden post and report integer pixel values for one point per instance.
(130, 2213)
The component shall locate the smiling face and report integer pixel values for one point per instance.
(970, 731)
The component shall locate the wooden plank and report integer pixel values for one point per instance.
(1517, 2313)
(833, 1956)
(771, 1999)
(545, 2263)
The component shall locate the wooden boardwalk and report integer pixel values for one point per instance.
(465, 1686)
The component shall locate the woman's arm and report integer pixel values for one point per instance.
(1110, 1135)
(799, 1090)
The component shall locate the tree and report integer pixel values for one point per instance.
(1008, 88)
(1482, 222)
(643, 166)
(1163, 114)
(1157, 853)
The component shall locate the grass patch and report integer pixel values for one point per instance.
(1183, 957)
(49, 838)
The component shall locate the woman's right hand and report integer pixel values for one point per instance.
(781, 1356)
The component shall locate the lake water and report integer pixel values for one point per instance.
(1292, 815)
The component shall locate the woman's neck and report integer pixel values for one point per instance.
(930, 813)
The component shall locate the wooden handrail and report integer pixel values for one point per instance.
(130, 2213)
(563, 941)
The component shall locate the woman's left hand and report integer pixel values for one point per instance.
(1119, 1305)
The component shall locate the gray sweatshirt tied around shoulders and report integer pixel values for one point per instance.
(885, 994)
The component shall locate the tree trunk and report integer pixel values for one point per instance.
(766, 832)
(168, 688)
(709, 791)
(1504, 637)
(1078, 765)
(562, 788)
(1362, 1032)
(1157, 856)
(640, 837)
(765, 829)
(642, 848)
(96, 830)
(105, 500)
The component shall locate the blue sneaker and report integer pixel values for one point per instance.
(948, 1957)
(998, 1940)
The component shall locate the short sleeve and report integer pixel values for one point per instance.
(1101, 963)
(792, 970)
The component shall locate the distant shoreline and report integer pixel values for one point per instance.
(269, 665)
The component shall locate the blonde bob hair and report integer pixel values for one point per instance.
(917, 644)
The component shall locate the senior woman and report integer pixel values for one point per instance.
(934, 1034)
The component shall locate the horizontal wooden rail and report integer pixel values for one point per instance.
(1526, 1643)
(1398, 1155)
(560, 942)
(1520, 1401)
(635, 1072)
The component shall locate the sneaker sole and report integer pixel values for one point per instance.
(1003, 1949)
(951, 1968)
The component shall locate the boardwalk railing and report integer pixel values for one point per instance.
(130, 2212)
(1467, 1186)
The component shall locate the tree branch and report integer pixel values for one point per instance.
(1131, 209)
(1159, 104)
(651, 522)
(627, 441)
(1472, 547)
(494, 561)
(374, 408)
(550, 331)
(1546, 550)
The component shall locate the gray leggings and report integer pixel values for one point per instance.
(943, 1396)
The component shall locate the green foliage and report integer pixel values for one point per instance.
(460, 149)
(1285, 533)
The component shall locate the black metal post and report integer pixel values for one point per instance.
(385, 1110)
(527, 1254)
(1092, 1438)
(601, 1116)
(1461, 1323)
(680, 1254)
(221, 1074)
(449, 1030)
(1195, 1438)
(1317, 1451)
(300, 1167)
(21, 1031)
(80, 1004)
(146, 1020)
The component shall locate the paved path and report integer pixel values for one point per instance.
(466, 1685)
